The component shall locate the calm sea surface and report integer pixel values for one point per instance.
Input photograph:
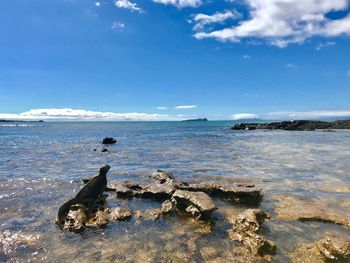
(42, 164)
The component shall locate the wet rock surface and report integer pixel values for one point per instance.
(297, 125)
(292, 208)
(109, 140)
(199, 204)
(246, 230)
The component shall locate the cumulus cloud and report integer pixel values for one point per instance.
(126, 4)
(185, 107)
(309, 114)
(282, 22)
(241, 116)
(180, 3)
(80, 114)
(203, 20)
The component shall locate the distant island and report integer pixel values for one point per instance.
(198, 119)
(19, 121)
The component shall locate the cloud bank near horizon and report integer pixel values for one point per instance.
(69, 114)
(80, 114)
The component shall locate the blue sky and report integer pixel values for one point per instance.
(140, 60)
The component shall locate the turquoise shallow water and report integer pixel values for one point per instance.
(42, 164)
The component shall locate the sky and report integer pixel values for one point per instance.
(174, 59)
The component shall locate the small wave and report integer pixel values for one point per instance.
(11, 125)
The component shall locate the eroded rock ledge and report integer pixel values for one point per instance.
(164, 185)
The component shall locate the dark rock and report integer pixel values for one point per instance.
(104, 150)
(297, 125)
(197, 200)
(109, 140)
(119, 214)
(245, 230)
(238, 192)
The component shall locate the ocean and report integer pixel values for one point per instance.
(42, 166)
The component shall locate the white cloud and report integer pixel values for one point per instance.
(161, 108)
(80, 114)
(246, 56)
(128, 5)
(180, 3)
(118, 25)
(97, 4)
(308, 114)
(241, 116)
(323, 45)
(203, 20)
(282, 22)
(185, 107)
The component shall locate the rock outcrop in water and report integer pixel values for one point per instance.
(245, 230)
(297, 125)
(109, 140)
(198, 204)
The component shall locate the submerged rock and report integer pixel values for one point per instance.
(245, 230)
(104, 150)
(109, 140)
(197, 201)
(149, 214)
(292, 208)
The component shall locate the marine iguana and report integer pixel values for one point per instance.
(87, 196)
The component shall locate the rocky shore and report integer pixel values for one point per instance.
(297, 125)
